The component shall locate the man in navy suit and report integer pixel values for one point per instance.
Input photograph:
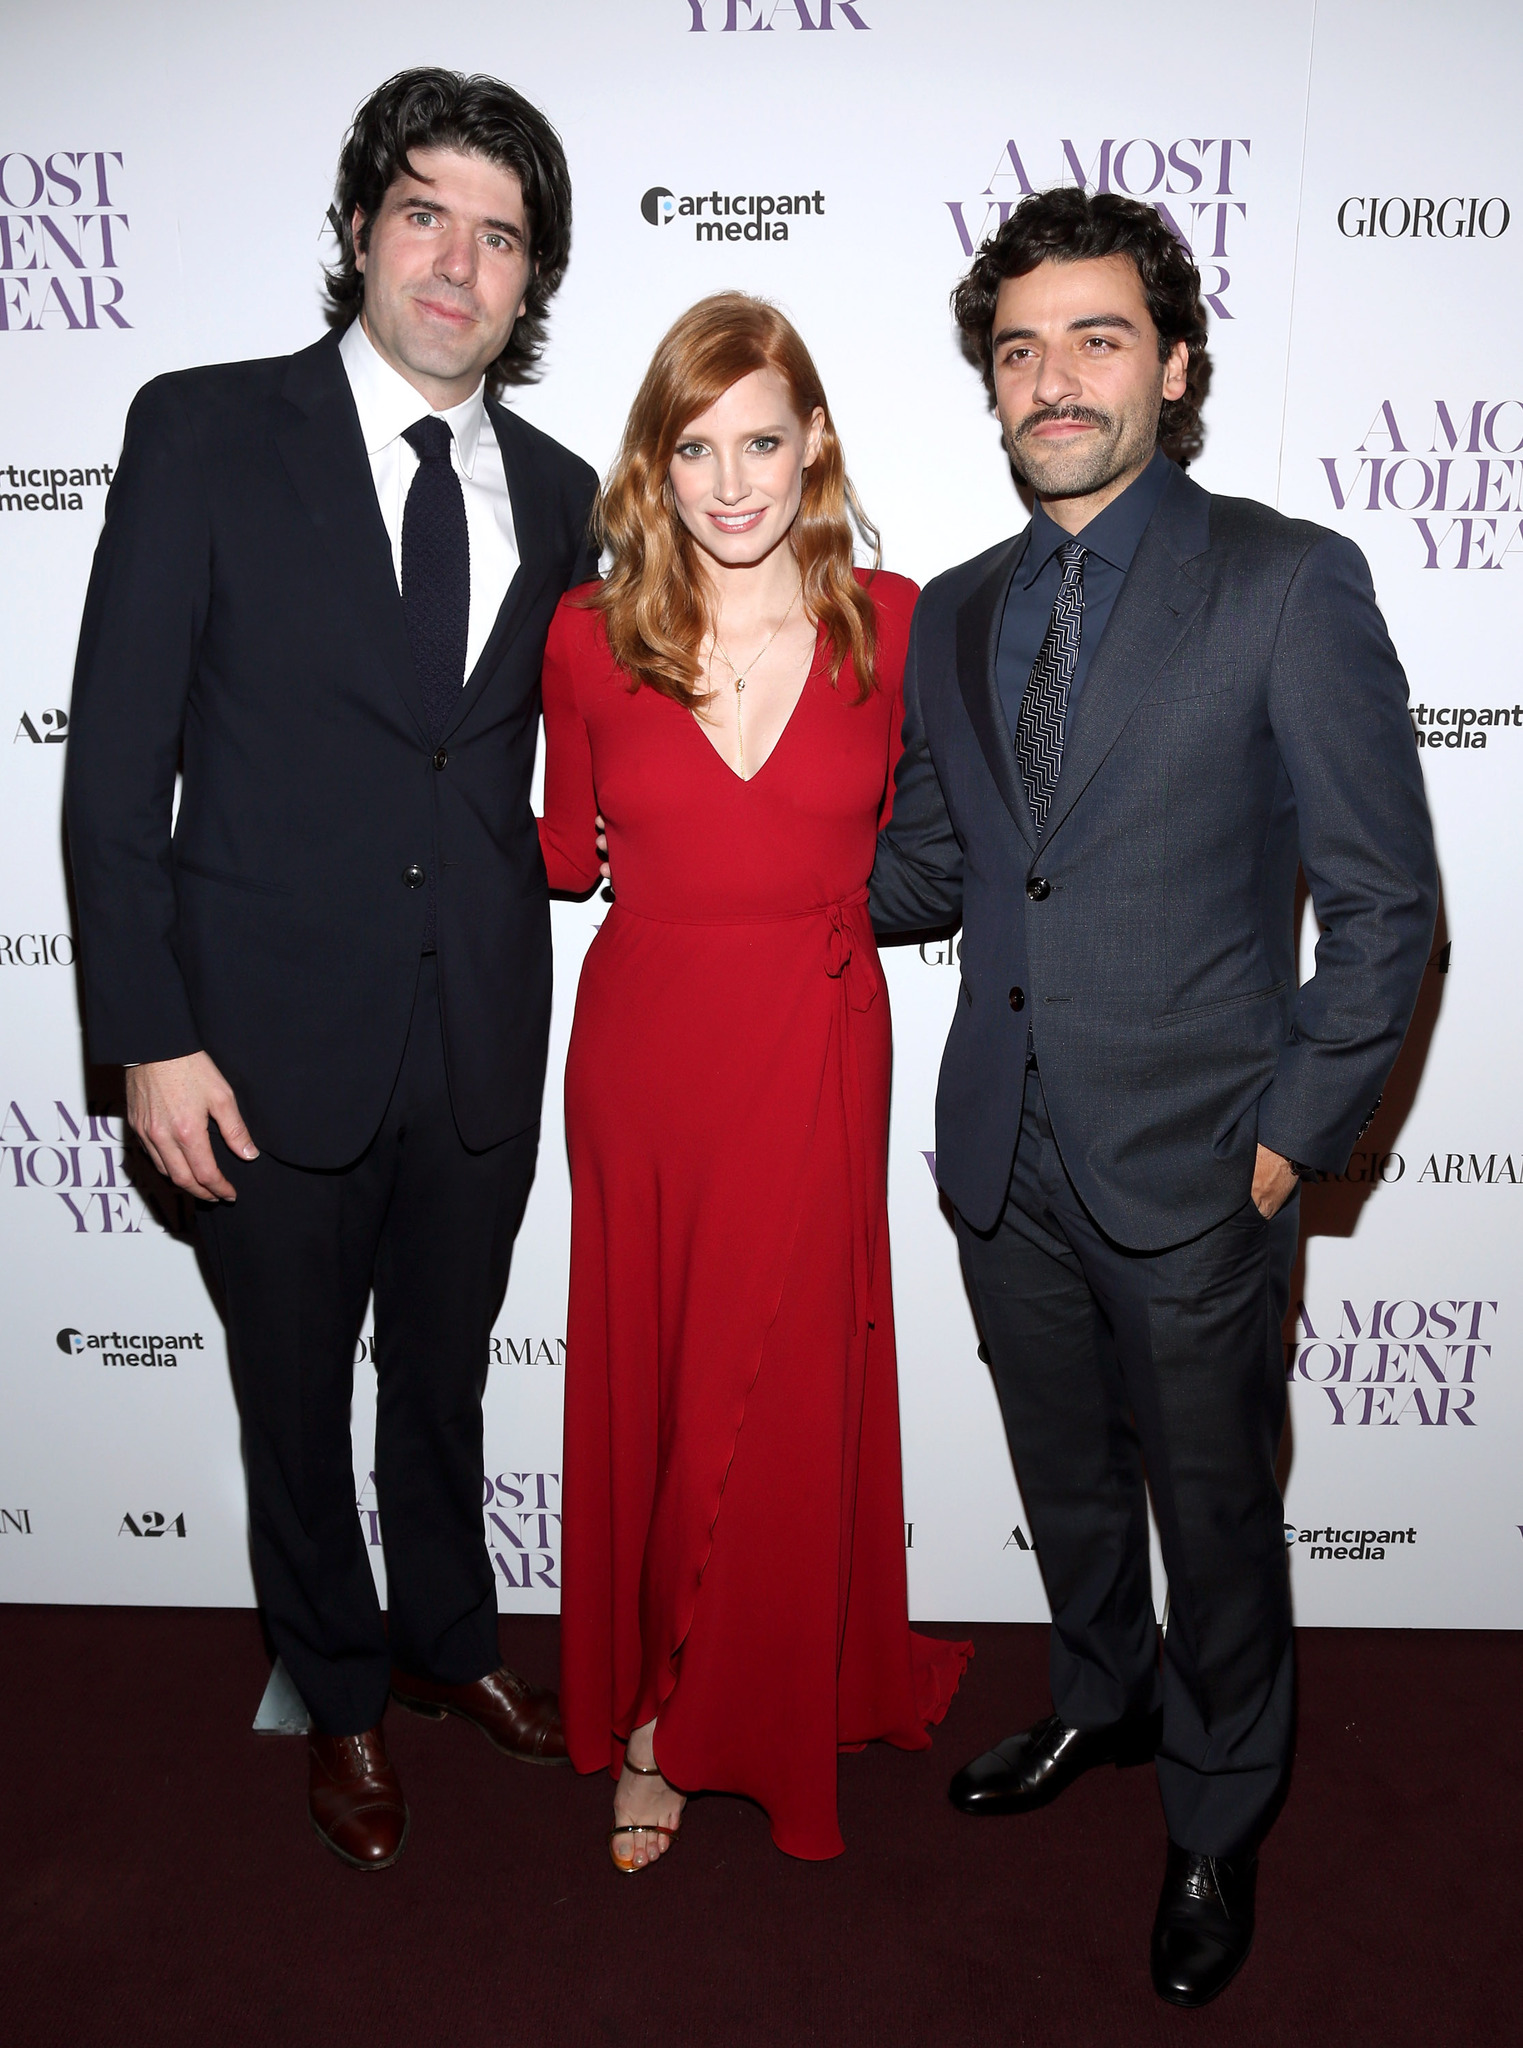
(322, 593)
(1124, 730)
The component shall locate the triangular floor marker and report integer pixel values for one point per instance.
(282, 1711)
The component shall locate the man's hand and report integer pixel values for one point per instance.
(1274, 1181)
(169, 1103)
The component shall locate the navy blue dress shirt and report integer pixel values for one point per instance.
(1111, 538)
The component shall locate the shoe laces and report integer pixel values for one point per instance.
(1201, 1881)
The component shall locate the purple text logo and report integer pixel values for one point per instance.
(730, 17)
(1451, 470)
(62, 238)
(1193, 181)
(1394, 1361)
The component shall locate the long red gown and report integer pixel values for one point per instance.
(733, 1533)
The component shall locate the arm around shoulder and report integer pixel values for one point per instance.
(568, 829)
(916, 881)
(585, 494)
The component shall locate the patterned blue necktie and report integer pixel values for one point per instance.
(1043, 714)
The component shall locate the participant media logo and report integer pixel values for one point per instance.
(732, 216)
(127, 1349)
(63, 237)
(1370, 1545)
(1451, 471)
(1388, 1362)
(1195, 183)
(49, 490)
(1457, 726)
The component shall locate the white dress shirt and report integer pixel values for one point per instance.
(388, 405)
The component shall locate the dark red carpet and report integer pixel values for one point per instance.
(159, 1882)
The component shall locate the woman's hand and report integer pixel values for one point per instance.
(603, 849)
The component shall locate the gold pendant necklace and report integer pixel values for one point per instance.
(740, 679)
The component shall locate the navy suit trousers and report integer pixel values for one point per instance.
(1119, 1371)
(429, 1226)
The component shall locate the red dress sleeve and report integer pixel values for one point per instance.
(894, 602)
(568, 829)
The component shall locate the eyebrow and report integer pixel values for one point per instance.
(755, 434)
(1074, 327)
(420, 202)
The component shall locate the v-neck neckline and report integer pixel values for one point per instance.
(745, 781)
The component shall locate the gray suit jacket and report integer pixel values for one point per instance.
(1244, 712)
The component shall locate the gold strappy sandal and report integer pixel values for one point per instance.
(638, 1828)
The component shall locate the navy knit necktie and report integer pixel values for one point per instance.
(436, 573)
(1040, 722)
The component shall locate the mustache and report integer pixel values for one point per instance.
(1090, 416)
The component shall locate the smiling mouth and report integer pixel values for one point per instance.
(737, 522)
(455, 314)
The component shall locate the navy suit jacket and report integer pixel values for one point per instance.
(1244, 712)
(243, 624)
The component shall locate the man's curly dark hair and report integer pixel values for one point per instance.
(1066, 225)
(433, 109)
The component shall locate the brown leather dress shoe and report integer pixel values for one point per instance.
(355, 1799)
(519, 1719)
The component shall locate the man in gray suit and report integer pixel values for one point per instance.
(1124, 729)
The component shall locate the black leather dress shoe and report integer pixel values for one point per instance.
(1029, 1770)
(1204, 1927)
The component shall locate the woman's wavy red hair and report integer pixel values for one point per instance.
(654, 600)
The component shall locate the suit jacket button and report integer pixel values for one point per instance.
(1017, 999)
(1038, 889)
(414, 876)
(441, 759)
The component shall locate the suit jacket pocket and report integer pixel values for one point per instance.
(227, 881)
(1257, 995)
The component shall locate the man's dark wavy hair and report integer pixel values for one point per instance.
(433, 109)
(1066, 225)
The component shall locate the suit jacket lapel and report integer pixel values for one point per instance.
(324, 453)
(536, 555)
(978, 625)
(1151, 615)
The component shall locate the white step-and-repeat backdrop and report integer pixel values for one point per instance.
(1349, 175)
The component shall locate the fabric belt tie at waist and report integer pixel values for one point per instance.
(844, 963)
(845, 960)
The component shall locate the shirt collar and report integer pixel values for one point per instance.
(387, 404)
(1112, 534)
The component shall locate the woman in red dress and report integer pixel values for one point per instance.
(734, 1606)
